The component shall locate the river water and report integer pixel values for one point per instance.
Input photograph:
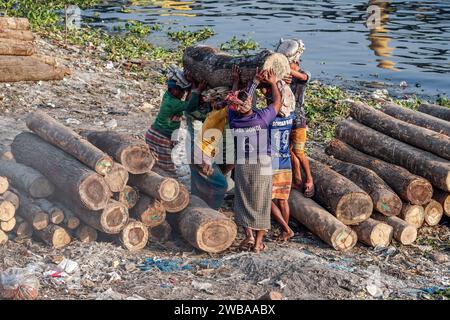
(407, 41)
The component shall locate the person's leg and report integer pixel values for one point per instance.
(285, 212)
(249, 241)
(277, 214)
(259, 241)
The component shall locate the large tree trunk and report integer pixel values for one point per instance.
(156, 186)
(180, 203)
(82, 185)
(409, 187)
(111, 220)
(54, 236)
(4, 184)
(417, 118)
(23, 35)
(13, 47)
(435, 111)
(133, 154)
(322, 223)
(344, 199)
(444, 199)
(69, 141)
(384, 199)
(161, 233)
(404, 233)
(423, 138)
(129, 196)
(204, 228)
(117, 178)
(86, 234)
(374, 233)
(425, 164)
(134, 236)
(433, 213)
(32, 213)
(26, 179)
(413, 214)
(29, 68)
(207, 63)
(56, 215)
(14, 23)
(149, 211)
(9, 225)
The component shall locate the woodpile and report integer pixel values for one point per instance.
(18, 58)
(390, 154)
(97, 186)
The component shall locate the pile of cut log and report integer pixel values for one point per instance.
(384, 176)
(19, 60)
(99, 185)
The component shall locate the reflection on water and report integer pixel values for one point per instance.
(411, 43)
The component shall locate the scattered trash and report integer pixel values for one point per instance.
(72, 121)
(203, 286)
(439, 257)
(110, 294)
(264, 281)
(109, 65)
(98, 123)
(374, 290)
(164, 265)
(19, 284)
(146, 107)
(380, 94)
(111, 124)
(130, 267)
(209, 263)
(114, 276)
(68, 266)
(115, 263)
(281, 284)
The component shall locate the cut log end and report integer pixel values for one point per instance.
(413, 215)
(60, 238)
(433, 213)
(216, 236)
(114, 217)
(117, 178)
(169, 189)
(23, 230)
(86, 234)
(9, 225)
(354, 208)
(104, 165)
(134, 236)
(129, 197)
(40, 220)
(444, 199)
(41, 188)
(94, 192)
(419, 192)
(180, 203)
(381, 235)
(388, 203)
(137, 159)
(154, 215)
(4, 185)
(7, 210)
(344, 239)
(408, 235)
(56, 216)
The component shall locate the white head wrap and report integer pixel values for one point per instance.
(292, 49)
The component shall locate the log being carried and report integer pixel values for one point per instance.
(322, 223)
(204, 228)
(27, 179)
(83, 186)
(409, 187)
(344, 199)
(207, 63)
(425, 164)
(133, 154)
(69, 141)
(417, 118)
(423, 138)
(384, 199)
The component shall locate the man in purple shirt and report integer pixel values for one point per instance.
(253, 171)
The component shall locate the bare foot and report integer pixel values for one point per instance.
(261, 248)
(285, 236)
(247, 244)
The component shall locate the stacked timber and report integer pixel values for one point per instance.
(18, 58)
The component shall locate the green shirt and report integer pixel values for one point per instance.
(172, 107)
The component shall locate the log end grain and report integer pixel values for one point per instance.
(344, 239)
(23, 230)
(180, 203)
(94, 192)
(413, 215)
(4, 185)
(381, 235)
(153, 215)
(137, 159)
(7, 210)
(114, 217)
(419, 192)
(60, 237)
(104, 165)
(433, 213)
(117, 178)
(72, 223)
(408, 235)
(134, 236)
(41, 188)
(86, 234)
(129, 197)
(216, 236)
(388, 203)
(13, 198)
(56, 216)
(40, 220)
(9, 225)
(354, 208)
(169, 189)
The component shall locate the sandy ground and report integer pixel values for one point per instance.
(305, 268)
